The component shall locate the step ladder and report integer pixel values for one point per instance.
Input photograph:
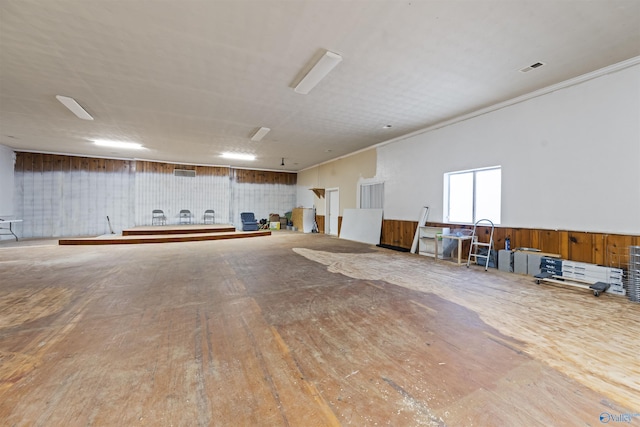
(475, 244)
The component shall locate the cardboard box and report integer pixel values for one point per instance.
(274, 225)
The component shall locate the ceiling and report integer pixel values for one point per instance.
(192, 79)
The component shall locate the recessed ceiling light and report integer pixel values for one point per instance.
(386, 127)
(118, 144)
(74, 107)
(238, 156)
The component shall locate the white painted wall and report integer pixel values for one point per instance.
(77, 202)
(262, 200)
(73, 203)
(570, 159)
(174, 193)
(6, 186)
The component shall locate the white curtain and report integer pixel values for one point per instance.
(372, 196)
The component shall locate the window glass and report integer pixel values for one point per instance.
(473, 195)
(488, 195)
(461, 197)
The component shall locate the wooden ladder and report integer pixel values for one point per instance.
(475, 244)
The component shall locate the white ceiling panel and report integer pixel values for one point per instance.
(192, 79)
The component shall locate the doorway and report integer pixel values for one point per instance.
(332, 209)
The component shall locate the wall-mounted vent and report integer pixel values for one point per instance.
(184, 172)
(532, 67)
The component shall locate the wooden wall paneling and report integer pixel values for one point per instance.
(63, 163)
(75, 163)
(483, 234)
(521, 238)
(28, 162)
(212, 170)
(115, 166)
(564, 244)
(19, 162)
(499, 236)
(598, 245)
(407, 232)
(391, 233)
(400, 233)
(320, 222)
(546, 240)
(247, 176)
(385, 234)
(616, 249)
(47, 163)
(580, 246)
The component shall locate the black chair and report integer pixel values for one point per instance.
(249, 222)
(209, 216)
(158, 217)
(185, 216)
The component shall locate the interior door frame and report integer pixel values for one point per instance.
(327, 209)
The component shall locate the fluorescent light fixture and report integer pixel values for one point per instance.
(238, 156)
(260, 133)
(325, 64)
(118, 144)
(74, 107)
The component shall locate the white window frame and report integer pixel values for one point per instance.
(446, 204)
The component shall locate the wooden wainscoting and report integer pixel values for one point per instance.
(597, 248)
(320, 220)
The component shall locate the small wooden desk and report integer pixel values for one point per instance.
(460, 239)
(10, 222)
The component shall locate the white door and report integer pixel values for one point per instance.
(333, 211)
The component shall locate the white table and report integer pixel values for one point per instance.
(10, 222)
(460, 238)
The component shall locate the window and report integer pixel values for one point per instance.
(372, 196)
(473, 195)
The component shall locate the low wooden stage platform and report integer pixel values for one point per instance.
(178, 229)
(166, 234)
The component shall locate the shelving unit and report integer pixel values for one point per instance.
(430, 240)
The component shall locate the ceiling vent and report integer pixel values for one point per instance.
(532, 67)
(184, 172)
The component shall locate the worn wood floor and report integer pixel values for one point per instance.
(301, 330)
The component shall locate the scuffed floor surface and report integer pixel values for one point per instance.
(301, 330)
